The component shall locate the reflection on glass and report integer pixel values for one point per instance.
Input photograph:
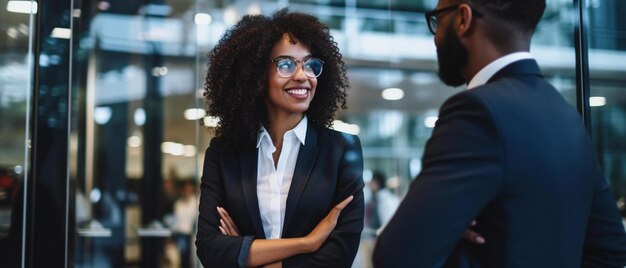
(607, 76)
(139, 127)
(15, 76)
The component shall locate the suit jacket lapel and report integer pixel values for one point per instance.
(301, 174)
(248, 161)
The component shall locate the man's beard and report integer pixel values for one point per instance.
(452, 59)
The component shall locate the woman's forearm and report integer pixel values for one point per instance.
(264, 251)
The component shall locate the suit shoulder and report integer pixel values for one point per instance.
(331, 135)
(215, 145)
(503, 94)
(467, 99)
(216, 141)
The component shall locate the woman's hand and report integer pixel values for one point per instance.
(316, 238)
(227, 225)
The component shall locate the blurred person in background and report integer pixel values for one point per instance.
(185, 215)
(382, 203)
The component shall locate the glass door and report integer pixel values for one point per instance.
(15, 105)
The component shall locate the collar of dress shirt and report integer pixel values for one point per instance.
(492, 68)
(299, 130)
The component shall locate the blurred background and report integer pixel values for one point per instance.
(103, 125)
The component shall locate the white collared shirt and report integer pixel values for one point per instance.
(492, 68)
(273, 181)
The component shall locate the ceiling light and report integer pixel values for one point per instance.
(393, 93)
(430, 121)
(202, 19)
(194, 113)
(62, 33)
(26, 7)
(597, 101)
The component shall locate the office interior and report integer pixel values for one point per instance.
(102, 116)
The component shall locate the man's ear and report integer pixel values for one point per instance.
(465, 20)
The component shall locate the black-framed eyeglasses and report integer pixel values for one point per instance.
(433, 21)
(286, 66)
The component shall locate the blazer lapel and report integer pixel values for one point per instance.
(248, 161)
(301, 174)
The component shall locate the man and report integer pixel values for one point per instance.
(510, 153)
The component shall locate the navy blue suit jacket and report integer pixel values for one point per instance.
(329, 168)
(515, 156)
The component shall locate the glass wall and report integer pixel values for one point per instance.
(140, 131)
(122, 82)
(607, 65)
(15, 78)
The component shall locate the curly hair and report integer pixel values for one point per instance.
(236, 82)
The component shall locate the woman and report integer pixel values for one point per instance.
(279, 188)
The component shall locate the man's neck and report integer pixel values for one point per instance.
(482, 50)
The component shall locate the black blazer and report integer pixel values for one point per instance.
(515, 156)
(329, 168)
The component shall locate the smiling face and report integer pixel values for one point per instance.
(289, 96)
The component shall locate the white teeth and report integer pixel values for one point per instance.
(297, 91)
